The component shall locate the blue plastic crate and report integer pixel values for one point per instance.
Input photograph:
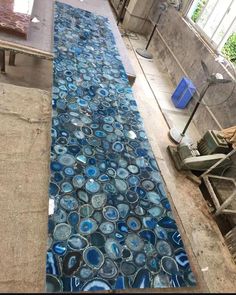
(183, 93)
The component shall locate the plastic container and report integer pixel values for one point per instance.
(183, 93)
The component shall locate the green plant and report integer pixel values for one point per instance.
(229, 49)
(198, 10)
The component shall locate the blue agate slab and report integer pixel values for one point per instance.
(112, 226)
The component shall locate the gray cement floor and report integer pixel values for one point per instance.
(210, 259)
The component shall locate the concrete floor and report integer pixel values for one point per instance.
(209, 257)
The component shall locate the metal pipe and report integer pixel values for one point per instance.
(195, 108)
(122, 10)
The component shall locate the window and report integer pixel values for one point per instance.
(215, 19)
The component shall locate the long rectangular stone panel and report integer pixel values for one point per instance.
(110, 225)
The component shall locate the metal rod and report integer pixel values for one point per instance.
(195, 108)
(226, 203)
(122, 10)
(150, 38)
(153, 31)
(218, 163)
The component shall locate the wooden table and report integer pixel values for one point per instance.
(39, 42)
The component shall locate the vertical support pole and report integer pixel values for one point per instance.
(3, 61)
(122, 10)
(12, 58)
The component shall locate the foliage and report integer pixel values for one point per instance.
(198, 10)
(229, 49)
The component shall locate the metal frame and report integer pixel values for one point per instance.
(201, 30)
(220, 208)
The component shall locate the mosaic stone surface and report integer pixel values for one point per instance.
(112, 226)
(15, 16)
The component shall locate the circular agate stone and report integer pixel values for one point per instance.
(53, 284)
(108, 119)
(108, 270)
(161, 233)
(98, 216)
(121, 185)
(128, 268)
(85, 273)
(111, 172)
(182, 258)
(71, 262)
(113, 248)
(103, 178)
(53, 189)
(60, 149)
(107, 128)
(81, 159)
(132, 197)
(123, 163)
(133, 169)
(95, 285)
(93, 257)
(97, 239)
(139, 210)
(62, 231)
(59, 248)
(83, 196)
(92, 186)
(141, 162)
(154, 198)
(133, 180)
(98, 201)
(149, 222)
(148, 235)
(190, 278)
(169, 265)
(87, 226)
(92, 171)
(73, 218)
(86, 210)
(118, 147)
(156, 211)
(88, 151)
(140, 259)
(59, 216)
(134, 242)
(163, 248)
(161, 281)
(68, 203)
(122, 227)
(103, 92)
(69, 171)
(153, 264)
(66, 187)
(66, 160)
(107, 227)
(123, 210)
(78, 181)
(148, 185)
(122, 173)
(110, 213)
(77, 242)
(133, 223)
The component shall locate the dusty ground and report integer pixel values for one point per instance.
(25, 119)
